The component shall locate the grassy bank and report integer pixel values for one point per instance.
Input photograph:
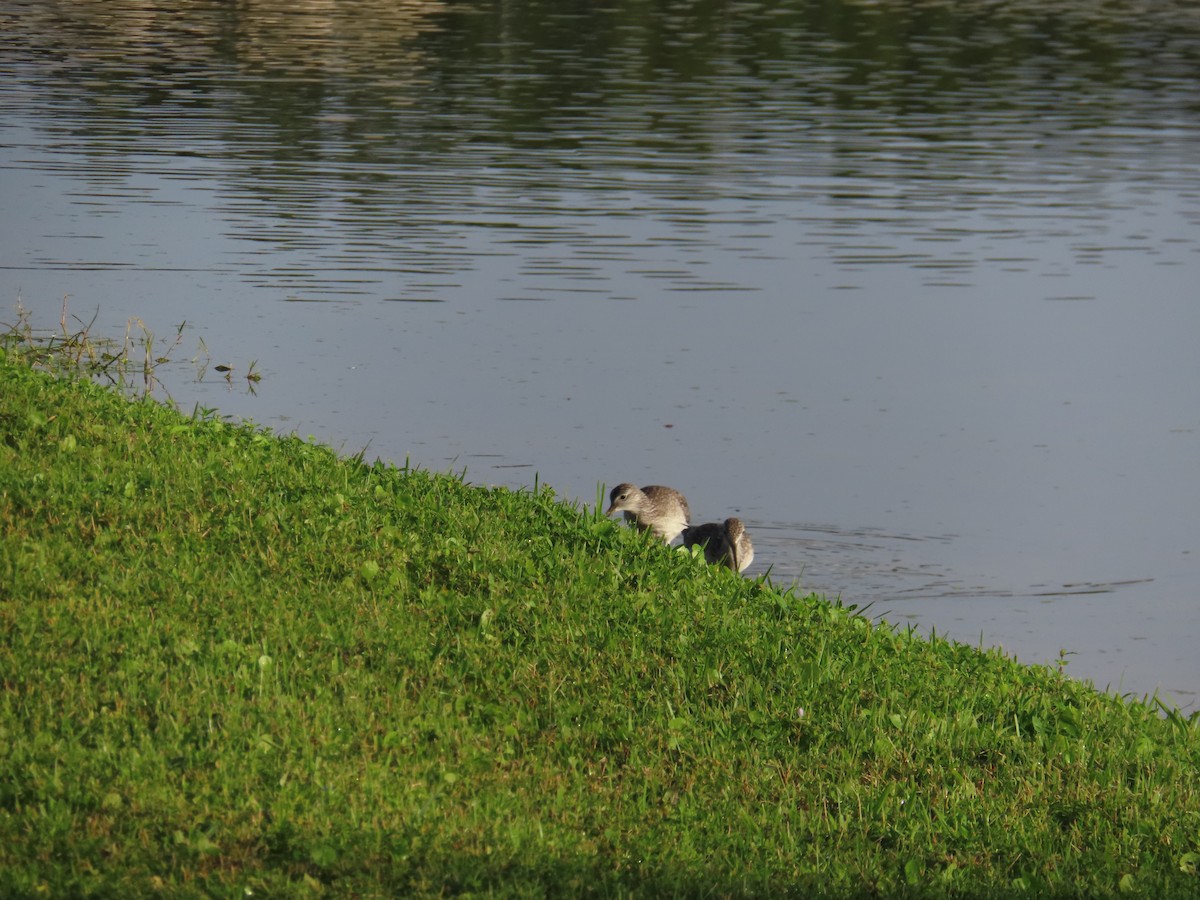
(238, 665)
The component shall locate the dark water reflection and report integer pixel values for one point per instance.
(924, 274)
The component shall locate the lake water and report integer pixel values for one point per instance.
(914, 289)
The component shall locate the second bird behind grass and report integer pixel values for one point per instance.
(725, 543)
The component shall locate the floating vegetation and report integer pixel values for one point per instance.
(130, 364)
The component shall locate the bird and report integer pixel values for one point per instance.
(662, 510)
(724, 543)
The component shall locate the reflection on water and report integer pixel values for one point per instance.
(929, 267)
(378, 149)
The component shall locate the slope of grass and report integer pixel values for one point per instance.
(235, 664)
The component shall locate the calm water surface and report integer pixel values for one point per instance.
(912, 288)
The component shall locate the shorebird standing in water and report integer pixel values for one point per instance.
(725, 543)
(662, 510)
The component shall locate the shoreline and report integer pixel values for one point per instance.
(237, 662)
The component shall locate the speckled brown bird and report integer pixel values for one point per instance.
(662, 510)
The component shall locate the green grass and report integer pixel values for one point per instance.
(235, 664)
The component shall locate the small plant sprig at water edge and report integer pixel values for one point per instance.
(237, 664)
(130, 364)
